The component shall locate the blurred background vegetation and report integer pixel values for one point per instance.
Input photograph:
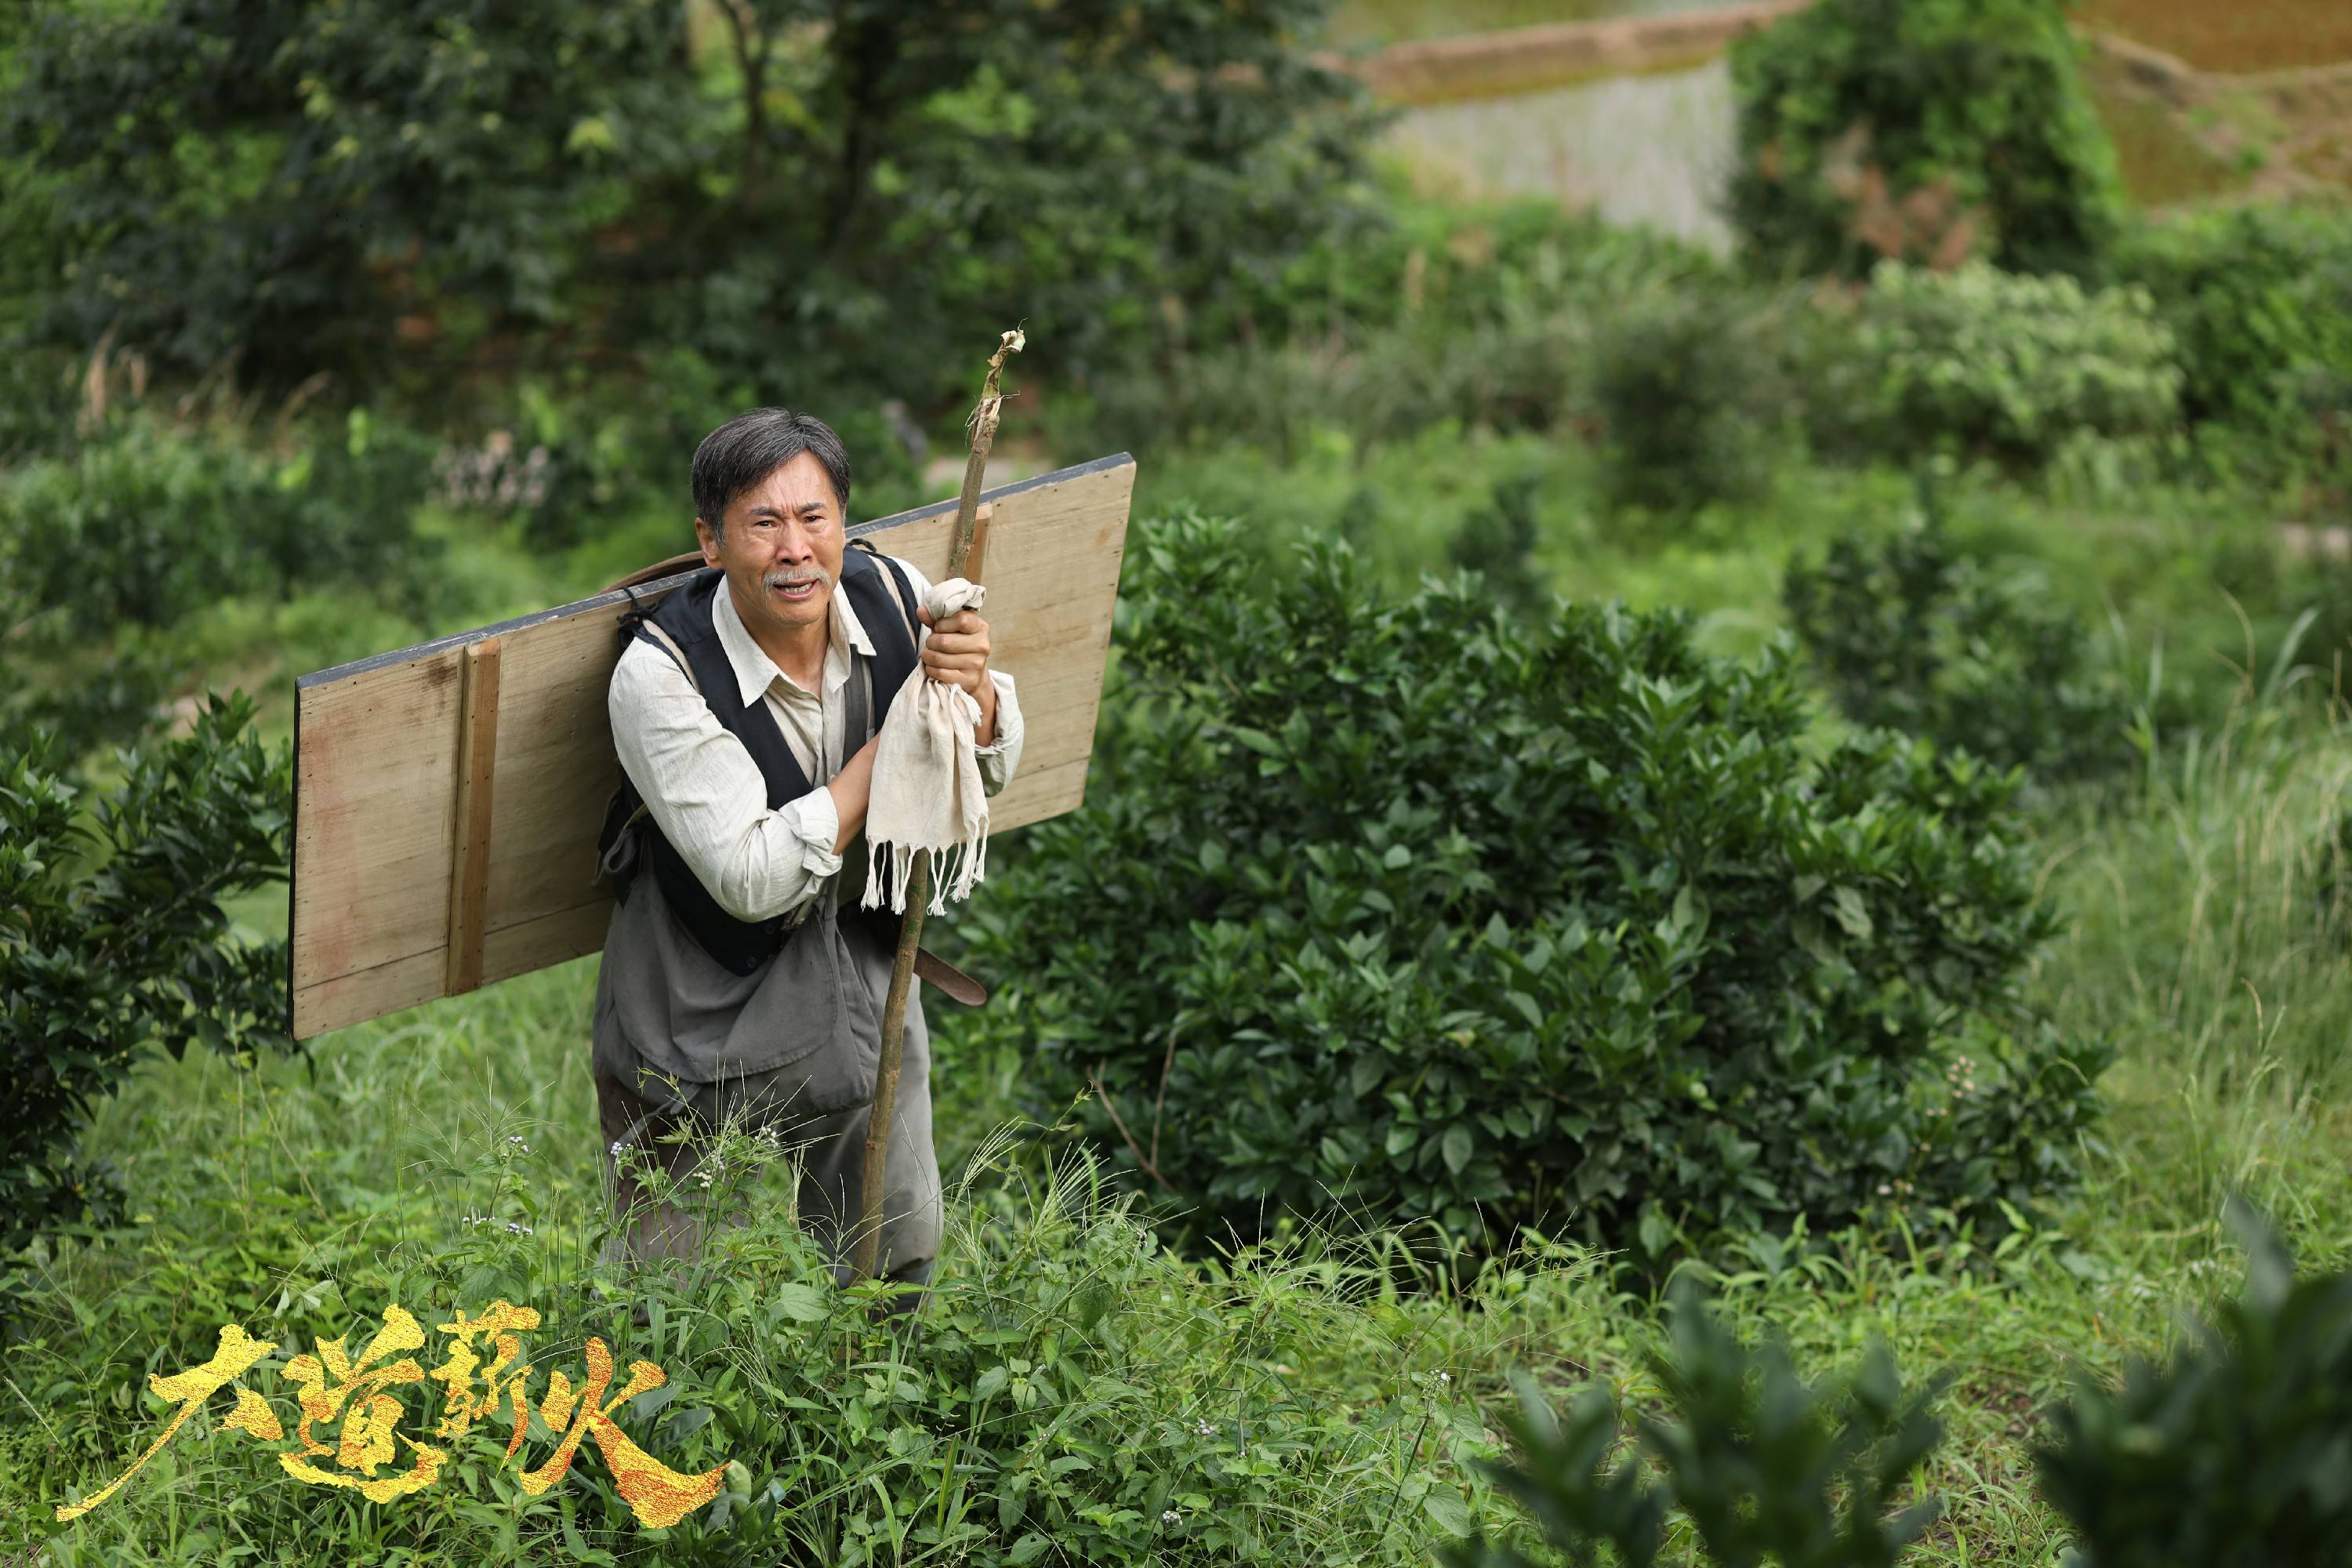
(1957, 395)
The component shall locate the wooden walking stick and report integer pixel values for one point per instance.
(918, 885)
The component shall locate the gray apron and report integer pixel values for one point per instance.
(810, 1019)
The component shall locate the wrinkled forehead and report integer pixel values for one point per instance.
(791, 490)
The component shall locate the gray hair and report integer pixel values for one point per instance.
(745, 450)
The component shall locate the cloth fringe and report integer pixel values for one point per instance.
(956, 869)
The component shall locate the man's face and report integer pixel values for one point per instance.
(781, 547)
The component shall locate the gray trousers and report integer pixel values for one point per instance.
(832, 1148)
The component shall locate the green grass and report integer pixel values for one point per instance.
(2162, 163)
(2206, 930)
(300, 1198)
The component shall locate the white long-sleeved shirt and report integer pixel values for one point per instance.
(709, 796)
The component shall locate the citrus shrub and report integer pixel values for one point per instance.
(2233, 1453)
(147, 522)
(1913, 633)
(2235, 1450)
(1688, 397)
(2259, 299)
(1415, 911)
(113, 941)
(1765, 1466)
(1990, 364)
(2250, 293)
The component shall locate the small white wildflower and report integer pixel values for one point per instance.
(1203, 1429)
(619, 1144)
(1883, 1189)
(1445, 1377)
(1169, 1516)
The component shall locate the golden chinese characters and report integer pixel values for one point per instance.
(356, 1398)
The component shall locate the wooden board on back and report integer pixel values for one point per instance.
(447, 796)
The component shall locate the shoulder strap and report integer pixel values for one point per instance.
(649, 629)
(893, 582)
(639, 622)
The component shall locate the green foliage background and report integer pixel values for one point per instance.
(1497, 957)
(1979, 98)
(1405, 910)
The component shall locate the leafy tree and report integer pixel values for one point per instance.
(806, 193)
(1405, 910)
(1923, 129)
(113, 941)
(307, 187)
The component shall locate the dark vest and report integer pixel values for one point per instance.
(743, 946)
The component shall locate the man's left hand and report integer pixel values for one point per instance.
(957, 652)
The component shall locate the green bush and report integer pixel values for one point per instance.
(1984, 363)
(2259, 301)
(1763, 1464)
(37, 405)
(146, 523)
(2234, 1454)
(1418, 314)
(112, 940)
(1920, 129)
(1686, 395)
(1407, 909)
(1453, 266)
(110, 697)
(1909, 634)
(1498, 542)
(2239, 1452)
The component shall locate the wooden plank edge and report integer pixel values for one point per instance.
(617, 597)
(293, 847)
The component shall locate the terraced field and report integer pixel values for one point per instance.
(2220, 36)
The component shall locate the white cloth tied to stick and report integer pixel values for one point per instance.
(927, 796)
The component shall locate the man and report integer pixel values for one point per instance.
(740, 979)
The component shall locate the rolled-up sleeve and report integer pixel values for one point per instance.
(998, 761)
(708, 797)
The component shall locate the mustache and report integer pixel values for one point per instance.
(792, 576)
